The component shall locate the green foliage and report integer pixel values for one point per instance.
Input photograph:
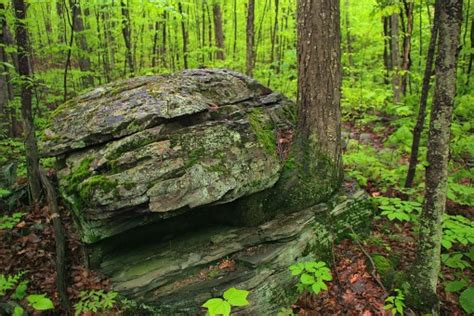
(395, 303)
(455, 260)
(231, 297)
(455, 286)
(312, 276)
(96, 301)
(457, 229)
(397, 209)
(12, 291)
(8, 222)
(263, 129)
(466, 300)
(461, 194)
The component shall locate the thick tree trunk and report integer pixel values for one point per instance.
(31, 149)
(81, 42)
(424, 278)
(319, 83)
(126, 32)
(250, 37)
(5, 127)
(184, 34)
(395, 58)
(425, 88)
(406, 56)
(219, 33)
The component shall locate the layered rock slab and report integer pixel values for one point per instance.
(149, 148)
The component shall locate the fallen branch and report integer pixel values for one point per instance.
(61, 279)
(373, 273)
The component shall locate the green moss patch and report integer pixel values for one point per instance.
(263, 129)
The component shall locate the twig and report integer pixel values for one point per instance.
(374, 269)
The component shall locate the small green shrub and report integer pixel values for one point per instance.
(457, 229)
(223, 306)
(466, 300)
(95, 301)
(396, 209)
(395, 303)
(8, 222)
(312, 276)
(12, 292)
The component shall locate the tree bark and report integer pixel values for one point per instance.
(126, 32)
(81, 42)
(31, 149)
(184, 34)
(250, 38)
(386, 49)
(425, 88)
(219, 33)
(426, 268)
(274, 32)
(5, 127)
(348, 35)
(406, 56)
(395, 57)
(60, 241)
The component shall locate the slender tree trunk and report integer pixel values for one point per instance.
(424, 278)
(425, 88)
(31, 149)
(81, 42)
(406, 57)
(395, 57)
(184, 34)
(234, 49)
(250, 38)
(274, 32)
(69, 52)
(387, 61)
(155, 45)
(5, 127)
(163, 48)
(471, 55)
(219, 33)
(348, 35)
(126, 32)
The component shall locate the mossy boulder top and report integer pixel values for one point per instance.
(145, 149)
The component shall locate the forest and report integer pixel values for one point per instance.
(218, 157)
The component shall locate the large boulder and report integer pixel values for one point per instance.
(149, 148)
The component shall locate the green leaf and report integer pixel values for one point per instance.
(20, 291)
(466, 299)
(307, 279)
(236, 297)
(455, 286)
(40, 302)
(18, 311)
(217, 306)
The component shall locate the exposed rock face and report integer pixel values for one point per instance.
(154, 169)
(148, 148)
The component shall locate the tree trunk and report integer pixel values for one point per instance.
(234, 48)
(5, 127)
(185, 37)
(386, 48)
(348, 36)
(425, 88)
(471, 55)
(250, 38)
(154, 53)
(425, 272)
(163, 48)
(81, 42)
(274, 33)
(219, 34)
(395, 58)
(31, 149)
(406, 57)
(126, 32)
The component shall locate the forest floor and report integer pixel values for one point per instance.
(357, 288)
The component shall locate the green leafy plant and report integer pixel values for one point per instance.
(8, 222)
(457, 229)
(13, 292)
(466, 300)
(223, 306)
(312, 276)
(396, 209)
(455, 260)
(395, 303)
(95, 301)
(456, 285)
(461, 194)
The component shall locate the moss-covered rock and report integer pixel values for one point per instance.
(150, 148)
